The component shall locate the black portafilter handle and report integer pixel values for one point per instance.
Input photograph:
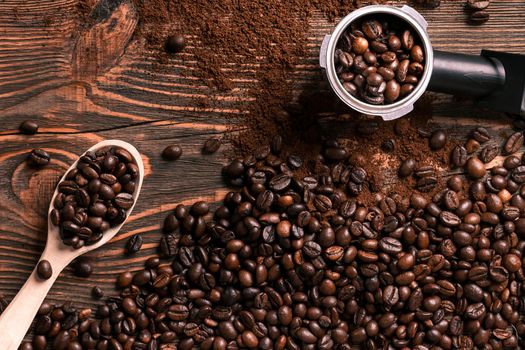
(495, 79)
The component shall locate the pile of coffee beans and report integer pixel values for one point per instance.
(379, 60)
(94, 196)
(292, 261)
(477, 10)
(59, 324)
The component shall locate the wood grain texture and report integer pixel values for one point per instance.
(85, 82)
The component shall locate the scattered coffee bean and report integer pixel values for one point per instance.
(476, 168)
(97, 292)
(44, 270)
(407, 167)
(82, 268)
(38, 158)
(478, 4)
(479, 17)
(175, 43)
(28, 127)
(134, 244)
(489, 152)
(459, 156)
(211, 145)
(172, 152)
(513, 143)
(437, 140)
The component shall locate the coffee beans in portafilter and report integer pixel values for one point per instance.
(293, 261)
(379, 60)
(95, 196)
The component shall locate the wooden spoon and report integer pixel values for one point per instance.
(16, 319)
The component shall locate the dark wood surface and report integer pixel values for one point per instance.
(84, 84)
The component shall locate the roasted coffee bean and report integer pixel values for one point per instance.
(390, 245)
(489, 152)
(97, 292)
(124, 200)
(211, 145)
(478, 4)
(82, 268)
(28, 127)
(44, 269)
(475, 168)
(426, 184)
(459, 156)
(38, 158)
(172, 152)
(438, 138)
(513, 143)
(481, 135)
(175, 43)
(407, 167)
(479, 17)
(134, 244)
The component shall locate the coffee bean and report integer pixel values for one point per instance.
(426, 184)
(97, 292)
(475, 168)
(479, 17)
(459, 156)
(44, 270)
(82, 268)
(124, 200)
(475, 311)
(489, 152)
(134, 244)
(478, 4)
(390, 245)
(175, 43)
(28, 127)
(38, 158)
(172, 152)
(438, 139)
(407, 167)
(481, 135)
(211, 145)
(513, 143)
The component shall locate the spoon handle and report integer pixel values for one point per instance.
(17, 318)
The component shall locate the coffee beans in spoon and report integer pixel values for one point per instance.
(94, 196)
(379, 61)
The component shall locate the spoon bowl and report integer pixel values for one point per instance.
(17, 317)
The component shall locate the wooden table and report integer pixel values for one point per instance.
(84, 85)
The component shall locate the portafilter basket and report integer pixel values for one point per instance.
(494, 79)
